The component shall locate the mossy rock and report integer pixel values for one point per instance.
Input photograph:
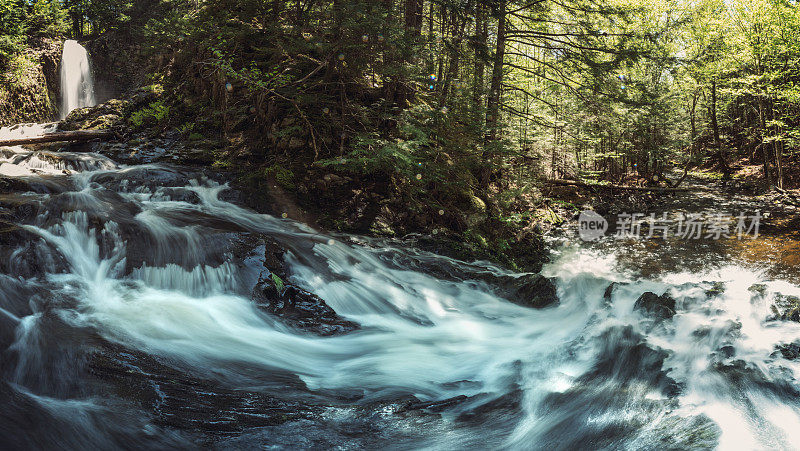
(786, 308)
(104, 116)
(717, 288)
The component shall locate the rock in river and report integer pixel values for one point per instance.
(299, 308)
(658, 306)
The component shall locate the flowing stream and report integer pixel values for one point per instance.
(77, 82)
(126, 320)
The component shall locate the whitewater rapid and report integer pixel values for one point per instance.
(591, 372)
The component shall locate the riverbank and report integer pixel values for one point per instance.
(320, 195)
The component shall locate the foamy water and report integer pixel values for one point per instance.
(588, 373)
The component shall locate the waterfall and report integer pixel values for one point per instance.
(77, 85)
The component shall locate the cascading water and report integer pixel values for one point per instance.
(77, 83)
(126, 321)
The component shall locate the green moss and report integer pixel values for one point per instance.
(23, 92)
(564, 204)
(475, 237)
(282, 175)
(19, 69)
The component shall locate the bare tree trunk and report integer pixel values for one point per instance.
(413, 18)
(482, 35)
(778, 160)
(400, 93)
(493, 103)
(554, 154)
(277, 8)
(723, 163)
(71, 136)
(763, 145)
(459, 24)
(493, 106)
(693, 118)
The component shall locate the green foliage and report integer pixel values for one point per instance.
(155, 113)
(9, 46)
(47, 18)
(278, 282)
(22, 20)
(282, 175)
(423, 159)
(98, 16)
(17, 71)
(12, 29)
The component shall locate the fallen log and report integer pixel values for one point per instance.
(659, 189)
(787, 197)
(73, 136)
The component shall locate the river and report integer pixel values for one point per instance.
(127, 320)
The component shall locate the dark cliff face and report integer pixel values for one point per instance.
(29, 88)
(50, 62)
(117, 65)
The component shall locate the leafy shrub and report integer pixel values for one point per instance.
(282, 175)
(153, 114)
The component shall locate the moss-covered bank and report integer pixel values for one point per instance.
(29, 86)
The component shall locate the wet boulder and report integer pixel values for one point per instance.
(789, 351)
(434, 406)
(716, 289)
(503, 409)
(658, 306)
(299, 308)
(25, 254)
(747, 376)
(530, 290)
(727, 351)
(608, 295)
(103, 116)
(626, 356)
(786, 308)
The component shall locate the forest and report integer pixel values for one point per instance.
(413, 224)
(478, 93)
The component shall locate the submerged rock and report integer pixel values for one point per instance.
(178, 399)
(659, 306)
(757, 292)
(299, 308)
